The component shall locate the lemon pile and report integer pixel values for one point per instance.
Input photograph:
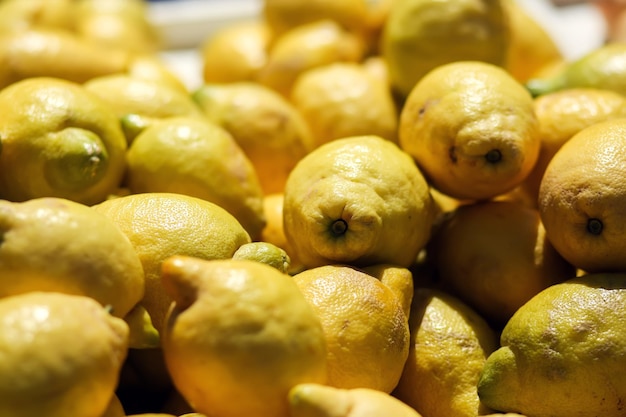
(408, 208)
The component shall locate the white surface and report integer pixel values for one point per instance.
(185, 24)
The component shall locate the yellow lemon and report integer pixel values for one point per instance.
(495, 256)
(472, 129)
(235, 52)
(358, 200)
(420, 35)
(304, 47)
(364, 323)
(61, 355)
(19, 15)
(52, 244)
(196, 157)
(450, 343)
(138, 102)
(155, 68)
(268, 128)
(239, 335)
(58, 140)
(532, 48)
(562, 353)
(264, 252)
(581, 195)
(342, 99)
(57, 53)
(317, 400)
(160, 225)
(561, 115)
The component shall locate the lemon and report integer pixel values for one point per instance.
(193, 156)
(561, 115)
(61, 355)
(420, 35)
(308, 46)
(58, 140)
(57, 53)
(532, 48)
(472, 129)
(239, 335)
(52, 244)
(342, 99)
(139, 101)
(160, 225)
(155, 68)
(317, 400)
(235, 52)
(358, 200)
(562, 353)
(495, 256)
(364, 323)
(19, 15)
(603, 67)
(268, 128)
(264, 252)
(450, 343)
(581, 194)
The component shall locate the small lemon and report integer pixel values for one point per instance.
(364, 323)
(268, 128)
(264, 252)
(358, 200)
(235, 52)
(450, 343)
(420, 35)
(317, 400)
(58, 140)
(342, 99)
(471, 128)
(562, 353)
(52, 244)
(196, 157)
(581, 195)
(308, 46)
(160, 225)
(239, 335)
(61, 355)
(495, 256)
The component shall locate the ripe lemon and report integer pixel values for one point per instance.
(160, 225)
(137, 101)
(196, 157)
(317, 400)
(56, 53)
(154, 68)
(562, 353)
(264, 252)
(359, 200)
(235, 52)
(342, 99)
(308, 46)
(239, 335)
(581, 195)
(450, 343)
(52, 244)
(364, 323)
(58, 140)
(531, 47)
(61, 355)
(495, 256)
(268, 128)
(561, 115)
(472, 129)
(420, 35)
